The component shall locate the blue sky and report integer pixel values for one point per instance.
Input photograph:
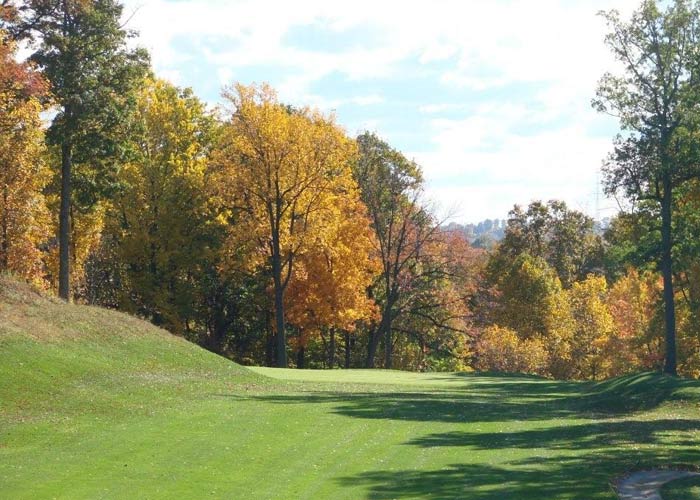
(490, 97)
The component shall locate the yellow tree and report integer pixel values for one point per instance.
(593, 327)
(283, 164)
(634, 301)
(328, 288)
(530, 300)
(502, 350)
(24, 220)
(162, 219)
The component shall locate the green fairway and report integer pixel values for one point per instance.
(683, 489)
(95, 404)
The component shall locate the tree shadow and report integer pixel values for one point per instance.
(428, 407)
(581, 435)
(599, 435)
(496, 399)
(473, 482)
(584, 477)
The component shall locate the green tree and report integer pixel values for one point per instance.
(656, 99)
(162, 220)
(564, 238)
(391, 186)
(631, 239)
(81, 47)
(528, 298)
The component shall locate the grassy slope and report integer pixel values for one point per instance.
(94, 404)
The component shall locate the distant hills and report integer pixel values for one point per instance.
(488, 232)
(484, 234)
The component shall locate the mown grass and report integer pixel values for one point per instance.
(683, 489)
(95, 404)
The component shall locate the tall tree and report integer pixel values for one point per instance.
(563, 237)
(162, 221)
(284, 165)
(81, 47)
(24, 221)
(328, 289)
(656, 100)
(391, 186)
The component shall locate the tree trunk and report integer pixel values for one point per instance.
(281, 342)
(667, 271)
(347, 350)
(331, 349)
(372, 345)
(217, 334)
(301, 358)
(388, 346)
(270, 350)
(5, 247)
(64, 223)
(376, 336)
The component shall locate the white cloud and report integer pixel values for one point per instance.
(429, 109)
(493, 155)
(562, 164)
(367, 100)
(225, 76)
(518, 40)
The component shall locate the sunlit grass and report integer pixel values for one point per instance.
(94, 404)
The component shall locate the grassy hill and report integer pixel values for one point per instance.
(96, 404)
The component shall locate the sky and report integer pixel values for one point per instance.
(490, 97)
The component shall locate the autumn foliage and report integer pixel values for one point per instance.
(265, 233)
(24, 218)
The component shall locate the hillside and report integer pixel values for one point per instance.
(60, 360)
(96, 404)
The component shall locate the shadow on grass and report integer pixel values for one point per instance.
(584, 477)
(600, 435)
(496, 399)
(584, 435)
(426, 407)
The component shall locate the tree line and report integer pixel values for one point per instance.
(265, 233)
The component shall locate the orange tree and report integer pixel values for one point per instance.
(284, 168)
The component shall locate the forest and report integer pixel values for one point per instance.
(264, 232)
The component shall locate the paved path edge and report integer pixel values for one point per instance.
(646, 484)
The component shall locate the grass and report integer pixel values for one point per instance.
(95, 404)
(683, 489)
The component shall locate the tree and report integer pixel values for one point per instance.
(528, 298)
(328, 288)
(565, 238)
(593, 328)
(502, 350)
(391, 186)
(439, 315)
(655, 99)
(527, 294)
(24, 220)
(631, 239)
(81, 48)
(284, 167)
(633, 301)
(162, 222)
